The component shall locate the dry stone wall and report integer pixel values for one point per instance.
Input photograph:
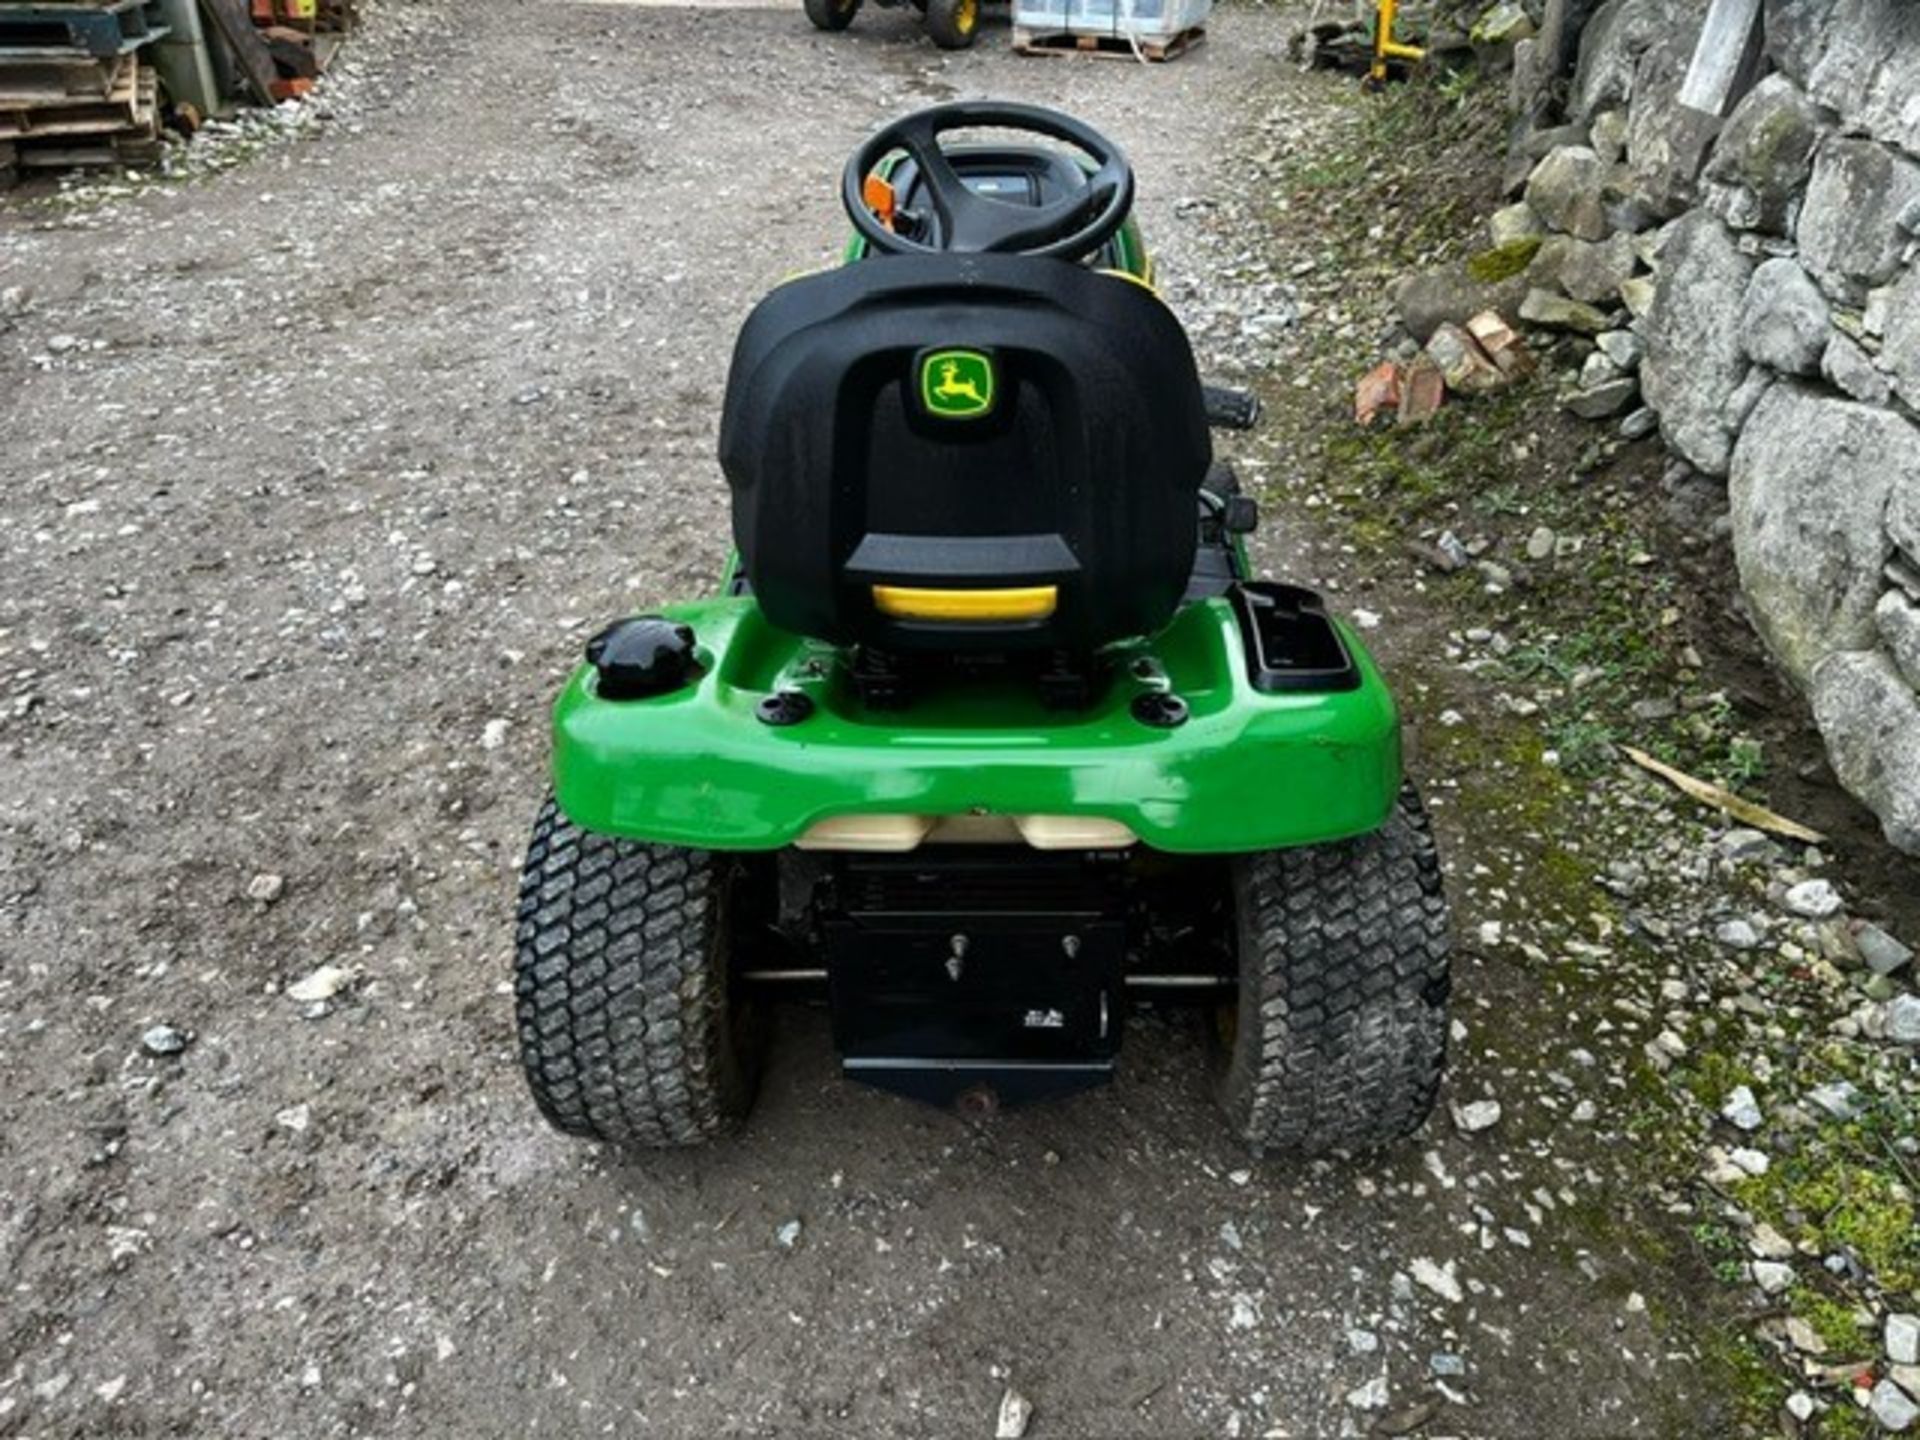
(1781, 326)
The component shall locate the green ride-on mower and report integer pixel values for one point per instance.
(952, 24)
(990, 732)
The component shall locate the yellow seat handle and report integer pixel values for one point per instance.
(1021, 602)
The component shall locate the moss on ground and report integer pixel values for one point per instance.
(1492, 466)
(1597, 634)
(1846, 1423)
(1833, 1322)
(1503, 262)
(1830, 1198)
(1752, 1376)
(1712, 1075)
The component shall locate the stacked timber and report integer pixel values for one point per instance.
(77, 85)
(91, 82)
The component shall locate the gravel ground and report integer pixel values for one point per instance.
(316, 475)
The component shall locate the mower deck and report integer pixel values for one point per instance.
(1247, 769)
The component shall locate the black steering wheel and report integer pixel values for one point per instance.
(1069, 228)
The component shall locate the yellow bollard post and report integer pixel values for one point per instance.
(1385, 47)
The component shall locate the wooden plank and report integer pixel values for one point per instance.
(97, 119)
(1106, 47)
(1727, 37)
(65, 153)
(90, 120)
(79, 114)
(1745, 811)
(82, 79)
(46, 157)
(127, 129)
(249, 51)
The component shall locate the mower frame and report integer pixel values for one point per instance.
(703, 766)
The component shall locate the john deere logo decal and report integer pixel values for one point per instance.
(956, 384)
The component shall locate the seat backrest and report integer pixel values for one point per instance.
(965, 451)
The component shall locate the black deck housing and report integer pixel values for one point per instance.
(978, 969)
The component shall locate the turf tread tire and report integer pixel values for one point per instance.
(626, 1029)
(1340, 1031)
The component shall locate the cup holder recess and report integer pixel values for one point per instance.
(1292, 645)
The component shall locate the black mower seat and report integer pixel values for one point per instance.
(965, 451)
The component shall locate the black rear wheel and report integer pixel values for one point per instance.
(630, 1029)
(832, 14)
(953, 23)
(1339, 1033)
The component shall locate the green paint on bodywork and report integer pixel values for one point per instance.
(1248, 771)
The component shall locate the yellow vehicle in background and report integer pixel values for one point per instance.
(951, 23)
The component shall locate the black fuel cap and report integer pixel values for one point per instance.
(647, 655)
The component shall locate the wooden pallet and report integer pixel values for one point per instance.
(89, 134)
(24, 116)
(1111, 47)
(73, 76)
(73, 152)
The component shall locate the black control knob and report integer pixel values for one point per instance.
(647, 655)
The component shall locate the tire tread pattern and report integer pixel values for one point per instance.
(620, 989)
(1344, 976)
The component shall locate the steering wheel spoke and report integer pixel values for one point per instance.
(1032, 226)
(961, 213)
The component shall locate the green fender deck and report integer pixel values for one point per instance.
(1248, 771)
